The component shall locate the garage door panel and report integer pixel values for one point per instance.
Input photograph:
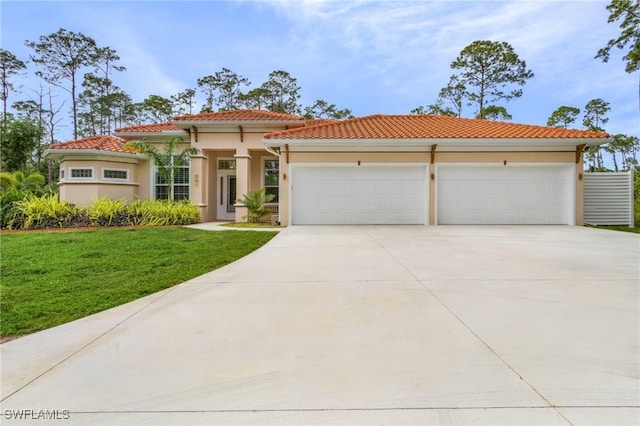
(504, 195)
(359, 195)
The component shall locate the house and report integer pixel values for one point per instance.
(378, 169)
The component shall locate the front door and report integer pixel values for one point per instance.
(226, 195)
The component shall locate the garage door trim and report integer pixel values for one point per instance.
(422, 165)
(569, 167)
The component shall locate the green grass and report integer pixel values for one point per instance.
(53, 277)
(624, 228)
(250, 225)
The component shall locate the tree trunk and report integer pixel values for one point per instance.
(74, 106)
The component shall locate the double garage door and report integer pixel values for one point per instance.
(366, 195)
(399, 194)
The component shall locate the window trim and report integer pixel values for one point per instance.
(263, 183)
(226, 159)
(153, 186)
(125, 179)
(90, 178)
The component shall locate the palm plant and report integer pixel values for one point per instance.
(167, 160)
(255, 202)
(15, 187)
(18, 181)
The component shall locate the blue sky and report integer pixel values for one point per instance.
(372, 57)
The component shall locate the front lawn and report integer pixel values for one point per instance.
(250, 225)
(622, 228)
(53, 277)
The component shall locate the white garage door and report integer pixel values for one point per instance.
(358, 195)
(497, 194)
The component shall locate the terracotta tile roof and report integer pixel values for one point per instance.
(99, 143)
(428, 127)
(315, 121)
(151, 128)
(240, 115)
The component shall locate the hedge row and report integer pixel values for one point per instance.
(39, 212)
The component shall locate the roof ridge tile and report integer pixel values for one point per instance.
(396, 126)
(239, 115)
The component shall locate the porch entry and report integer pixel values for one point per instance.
(226, 188)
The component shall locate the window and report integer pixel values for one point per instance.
(81, 173)
(181, 183)
(180, 187)
(61, 174)
(115, 174)
(271, 178)
(226, 164)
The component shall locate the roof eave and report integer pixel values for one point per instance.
(82, 153)
(450, 144)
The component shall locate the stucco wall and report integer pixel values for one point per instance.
(220, 141)
(81, 191)
(210, 195)
(144, 180)
(82, 194)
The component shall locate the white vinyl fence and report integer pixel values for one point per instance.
(608, 198)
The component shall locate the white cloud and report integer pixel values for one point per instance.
(402, 50)
(370, 56)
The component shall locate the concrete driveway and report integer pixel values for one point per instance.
(489, 325)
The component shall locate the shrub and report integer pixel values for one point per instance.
(7, 199)
(104, 211)
(15, 187)
(33, 182)
(42, 212)
(255, 202)
(163, 212)
(32, 212)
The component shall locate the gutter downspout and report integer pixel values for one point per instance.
(277, 154)
(270, 150)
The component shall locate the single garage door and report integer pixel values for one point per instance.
(498, 194)
(351, 195)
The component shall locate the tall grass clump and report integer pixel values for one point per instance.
(104, 211)
(47, 211)
(163, 212)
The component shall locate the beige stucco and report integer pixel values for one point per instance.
(246, 148)
(220, 141)
(579, 172)
(198, 179)
(83, 191)
(83, 194)
(145, 189)
(249, 177)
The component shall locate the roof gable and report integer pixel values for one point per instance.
(97, 143)
(428, 127)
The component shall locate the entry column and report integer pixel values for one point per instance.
(243, 177)
(199, 164)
